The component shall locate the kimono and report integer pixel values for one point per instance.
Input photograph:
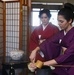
(52, 50)
(49, 31)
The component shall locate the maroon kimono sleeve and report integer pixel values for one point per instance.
(56, 30)
(33, 41)
(68, 56)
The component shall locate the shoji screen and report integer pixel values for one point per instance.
(1, 28)
(26, 9)
(12, 26)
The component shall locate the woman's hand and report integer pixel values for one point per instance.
(40, 41)
(33, 54)
(63, 49)
(50, 63)
(46, 63)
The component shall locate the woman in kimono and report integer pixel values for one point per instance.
(59, 50)
(45, 31)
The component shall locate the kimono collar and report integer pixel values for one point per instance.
(44, 27)
(65, 32)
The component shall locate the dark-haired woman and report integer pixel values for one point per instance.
(45, 31)
(61, 45)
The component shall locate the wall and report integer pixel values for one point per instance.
(54, 1)
(71, 1)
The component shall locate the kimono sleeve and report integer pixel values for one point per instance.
(51, 48)
(33, 41)
(68, 56)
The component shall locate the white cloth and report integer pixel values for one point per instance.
(65, 33)
(44, 26)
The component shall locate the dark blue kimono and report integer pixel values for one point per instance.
(52, 50)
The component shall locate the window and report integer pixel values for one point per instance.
(53, 18)
(36, 20)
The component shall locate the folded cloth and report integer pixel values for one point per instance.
(31, 69)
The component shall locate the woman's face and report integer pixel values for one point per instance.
(63, 23)
(44, 18)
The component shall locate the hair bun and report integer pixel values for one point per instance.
(69, 6)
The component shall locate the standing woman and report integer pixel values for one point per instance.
(45, 31)
(61, 44)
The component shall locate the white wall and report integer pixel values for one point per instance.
(54, 1)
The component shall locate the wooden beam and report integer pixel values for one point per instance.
(4, 28)
(20, 27)
(9, 0)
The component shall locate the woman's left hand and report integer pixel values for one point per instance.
(40, 41)
(63, 49)
(46, 63)
(50, 63)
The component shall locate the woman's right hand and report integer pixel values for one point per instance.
(32, 56)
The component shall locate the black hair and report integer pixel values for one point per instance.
(67, 11)
(46, 11)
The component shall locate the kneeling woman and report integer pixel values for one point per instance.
(62, 42)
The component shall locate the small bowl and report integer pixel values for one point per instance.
(16, 54)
